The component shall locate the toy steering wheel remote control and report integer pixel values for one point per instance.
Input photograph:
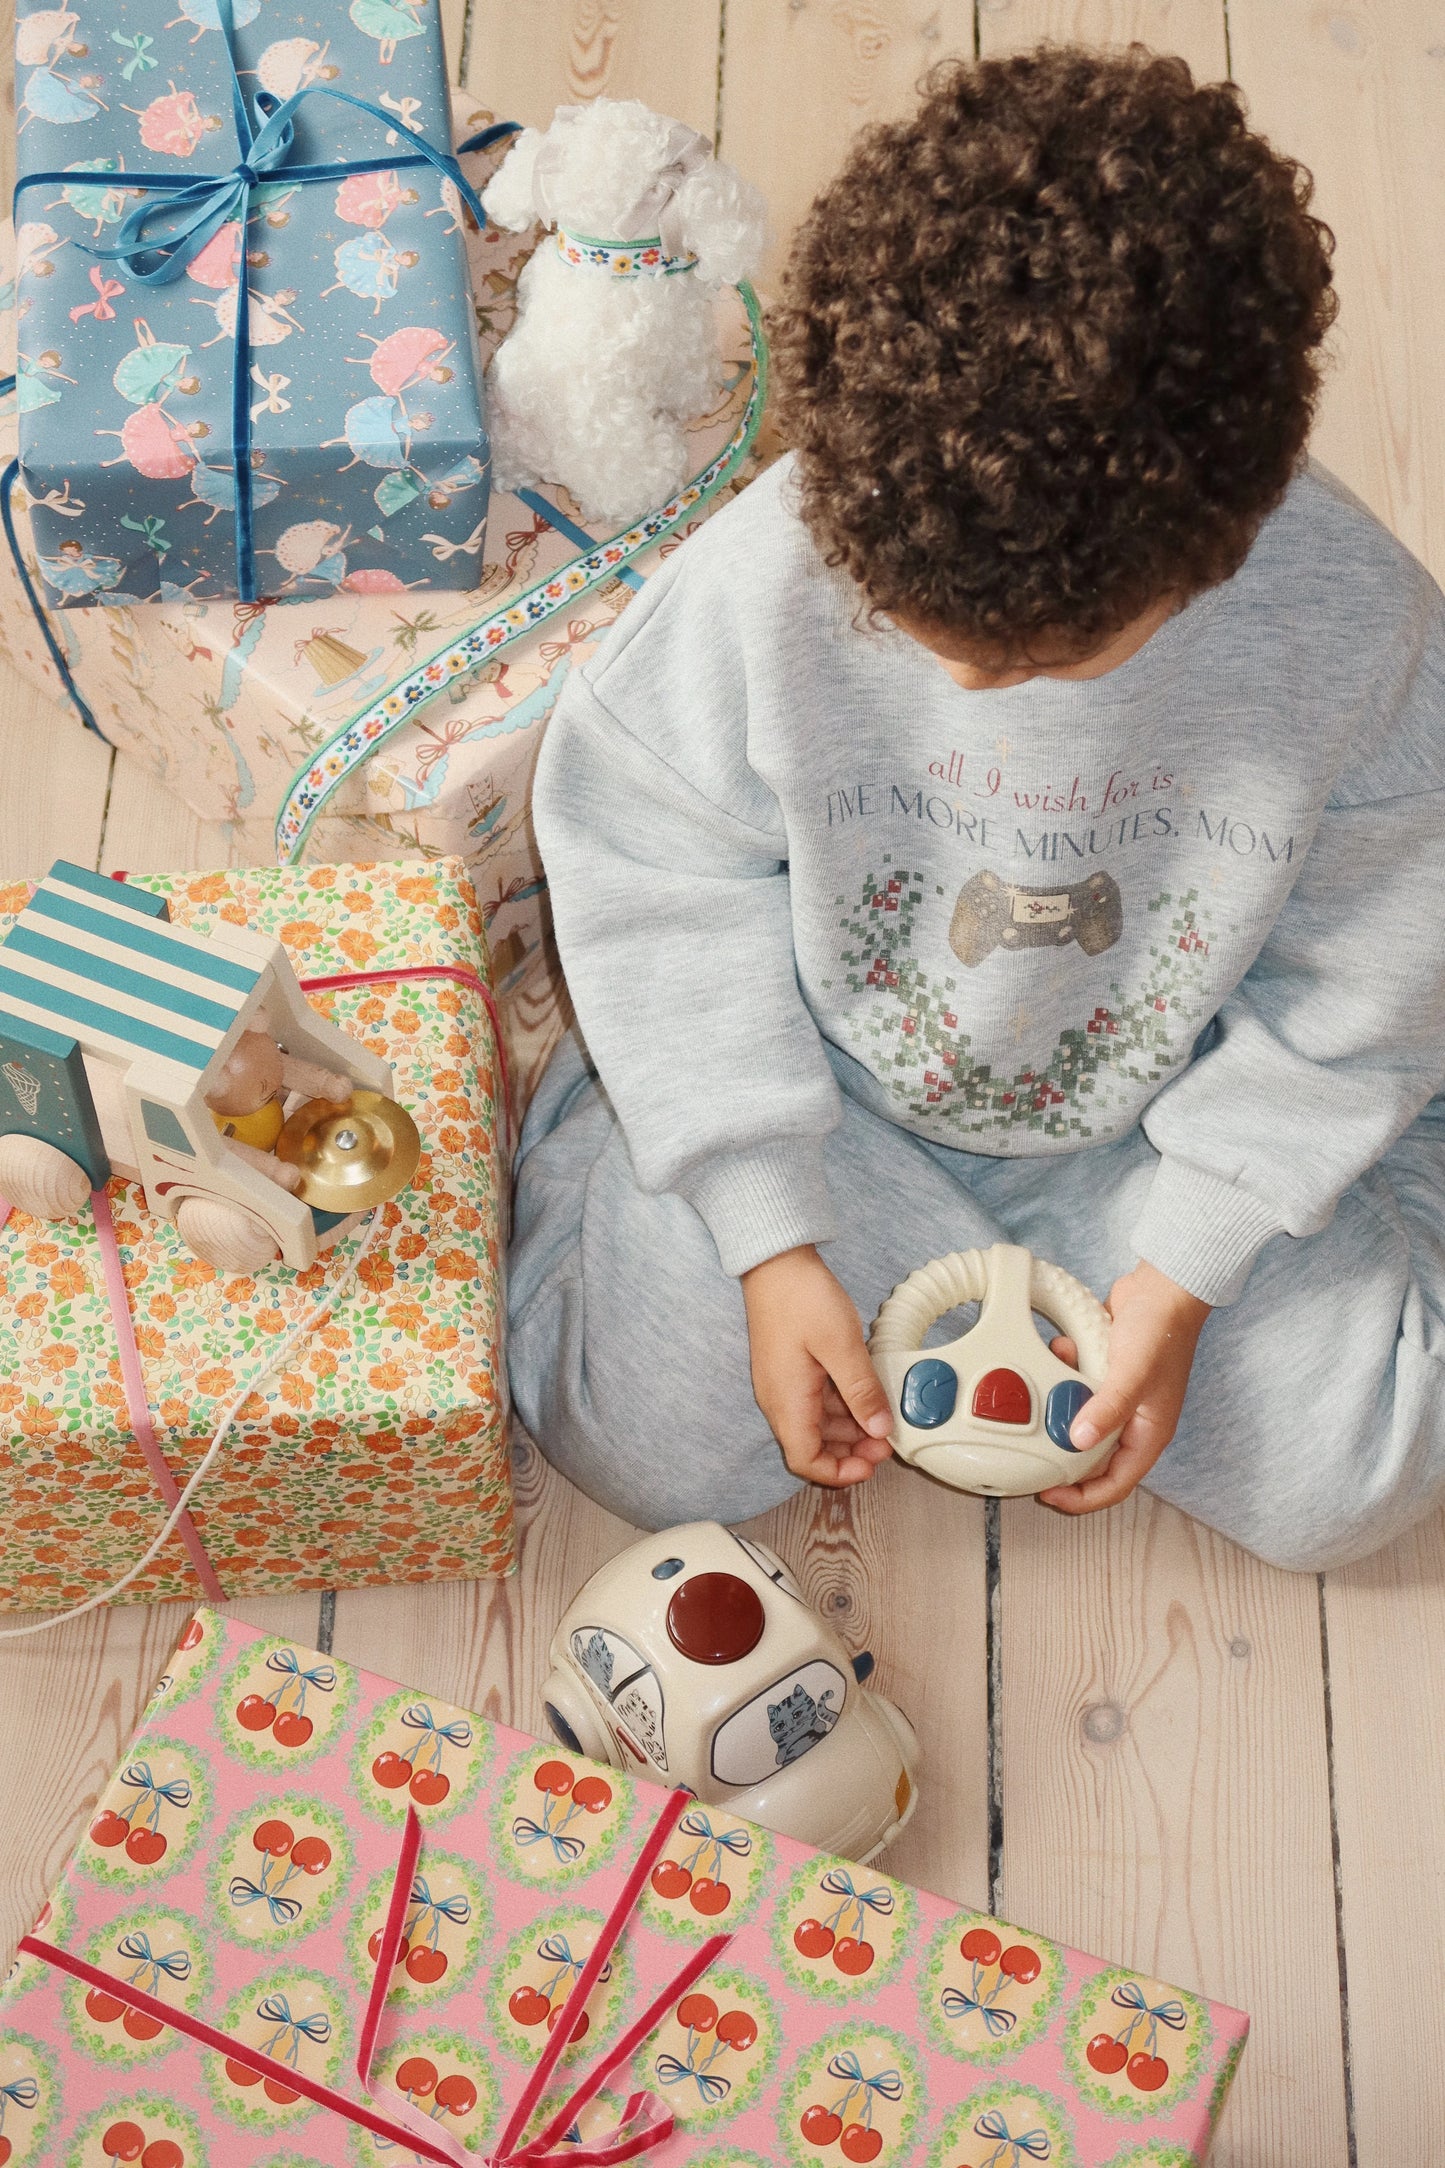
(991, 1411)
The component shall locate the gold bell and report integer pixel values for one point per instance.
(350, 1157)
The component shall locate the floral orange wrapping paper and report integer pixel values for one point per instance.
(381, 1452)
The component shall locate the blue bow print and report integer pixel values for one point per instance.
(135, 1948)
(1009, 2150)
(1130, 1996)
(276, 2010)
(175, 1794)
(283, 1910)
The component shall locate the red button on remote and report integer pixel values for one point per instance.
(1002, 1396)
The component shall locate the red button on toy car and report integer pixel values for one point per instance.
(1002, 1396)
(715, 1618)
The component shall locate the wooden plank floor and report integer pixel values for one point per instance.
(1138, 1737)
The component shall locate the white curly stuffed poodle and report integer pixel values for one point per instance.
(615, 347)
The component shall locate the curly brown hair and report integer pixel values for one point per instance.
(1047, 351)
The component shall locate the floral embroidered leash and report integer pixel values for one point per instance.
(644, 2121)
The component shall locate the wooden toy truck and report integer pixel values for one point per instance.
(113, 1024)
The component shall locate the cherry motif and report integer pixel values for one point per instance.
(528, 2006)
(1021, 1963)
(141, 2027)
(109, 1829)
(429, 1787)
(123, 2141)
(554, 1777)
(1147, 2072)
(6, 2149)
(860, 2143)
(579, 2024)
(819, 2125)
(709, 1897)
(373, 1948)
(698, 2013)
(162, 2153)
(852, 1956)
(193, 1635)
(737, 2029)
(145, 1846)
(255, 1713)
(981, 1946)
(813, 1939)
(417, 2076)
(1106, 2054)
(241, 2073)
(273, 1837)
(291, 1728)
(592, 1793)
(426, 1965)
(456, 2094)
(105, 2009)
(391, 1771)
(671, 1879)
(311, 1854)
(281, 2094)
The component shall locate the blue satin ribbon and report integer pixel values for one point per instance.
(198, 205)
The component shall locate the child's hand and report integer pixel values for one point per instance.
(1151, 1350)
(811, 1373)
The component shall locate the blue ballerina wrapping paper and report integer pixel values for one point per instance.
(362, 385)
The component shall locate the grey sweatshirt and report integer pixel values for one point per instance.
(1202, 893)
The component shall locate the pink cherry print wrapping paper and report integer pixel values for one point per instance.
(239, 1869)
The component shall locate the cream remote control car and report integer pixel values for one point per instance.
(694, 1659)
(991, 1412)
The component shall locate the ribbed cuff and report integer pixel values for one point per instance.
(1205, 1233)
(758, 1204)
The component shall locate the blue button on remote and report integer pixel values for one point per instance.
(929, 1393)
(1063, 1404)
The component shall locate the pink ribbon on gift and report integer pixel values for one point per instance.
(645, 2121)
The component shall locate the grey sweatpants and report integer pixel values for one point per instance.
(1313, 1431)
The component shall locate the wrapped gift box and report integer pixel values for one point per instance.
(228, 704)
(380, 1453)
(241, 1876)
(362, 381)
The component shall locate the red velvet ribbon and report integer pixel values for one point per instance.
(644, 2123)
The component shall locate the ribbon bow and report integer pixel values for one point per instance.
(444, 551)
(135, 1948)
(164, 235)
(1130, 1996)
(25, 2092)
(736, 1841)
(997, 2020)
(106, 290)
(419, 1718)
(839, 1883)
(243, 1891)
(456, 1909)
(276, 2010)
(526, 1831)
(153, 528)
(992, 2124)
(175, 1794)
(139, 48)
(321, 1676)
(273, 386)
(887, 2084)
(711, 2088)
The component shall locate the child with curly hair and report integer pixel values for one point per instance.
(1016, 817)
